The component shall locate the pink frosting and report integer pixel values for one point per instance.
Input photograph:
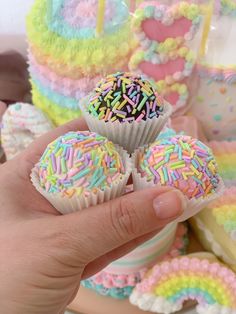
(83, 14)
(161, 71)
(172, 98)
(229, 197)
(189, 125)
(224, 74)
(63, 85)
(223, 147)
(155, 30)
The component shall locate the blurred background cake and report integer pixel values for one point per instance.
(213, 103)
(71, 44)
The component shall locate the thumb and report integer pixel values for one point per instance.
(98, 230)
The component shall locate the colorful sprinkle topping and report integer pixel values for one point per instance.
(181, 162)
(125, 97)
(79, 163)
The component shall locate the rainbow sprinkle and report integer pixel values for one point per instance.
(181, 162)
(125, 97)
(79, 163)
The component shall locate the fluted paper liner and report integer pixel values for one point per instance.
(194, 205)
(67, 205)
(128, 135)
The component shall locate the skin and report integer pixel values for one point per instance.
(3, 108)
(45, 255)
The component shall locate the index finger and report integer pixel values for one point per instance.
(36, 149)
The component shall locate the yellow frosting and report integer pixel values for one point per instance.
(91, 55)
(56, 114)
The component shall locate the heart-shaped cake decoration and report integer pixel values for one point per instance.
(155, 23)
(172, 67)
(224, 211)
(164, 56)
(176, 94)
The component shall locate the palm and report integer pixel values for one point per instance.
(49, 276)
(45, 255)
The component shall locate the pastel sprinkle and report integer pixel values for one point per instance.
(78, 162)
(182, 162)
(128, 99)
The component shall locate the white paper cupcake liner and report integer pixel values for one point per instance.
(128, 135)
(193, 206)
(67, 205)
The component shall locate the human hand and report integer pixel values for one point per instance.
(44, 255)
(3, 108)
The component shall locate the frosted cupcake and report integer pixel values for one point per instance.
(183, 163)
(127, 109)
(81, 169)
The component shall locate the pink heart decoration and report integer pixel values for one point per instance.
(162, 31)
(155, 22)
(157, 31)
(160, 71)
(172, 98)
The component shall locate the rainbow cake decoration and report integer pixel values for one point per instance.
(215, 227)
(225, 154)
(164, 33)
(71, 44)
(228, 7)
(224, 212)
(168, 285)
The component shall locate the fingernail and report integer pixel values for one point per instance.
(169, 205)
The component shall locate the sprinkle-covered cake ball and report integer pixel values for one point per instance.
(79, 163)
(181, 162)
(125, 97)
